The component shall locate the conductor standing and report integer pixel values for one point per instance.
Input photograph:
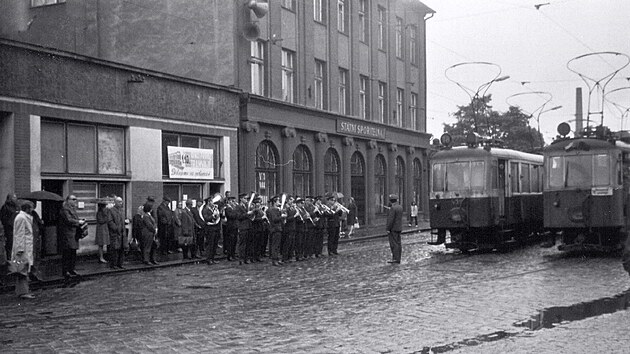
(394, 227)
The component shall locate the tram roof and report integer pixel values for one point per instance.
(467, 152)
(585, 144)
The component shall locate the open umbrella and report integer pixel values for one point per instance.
(42, 195)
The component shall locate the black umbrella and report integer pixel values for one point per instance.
(43, 195)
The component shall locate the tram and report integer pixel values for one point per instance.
(485, 196)
(586, 189)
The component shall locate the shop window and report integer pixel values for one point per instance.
(302, 171)
(332, 171)
(379, 184)
(82, 148)
(191, 141)
(267, 183)
(88, 192)
(400, 179)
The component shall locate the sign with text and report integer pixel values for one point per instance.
(360, 128)
(190, 163)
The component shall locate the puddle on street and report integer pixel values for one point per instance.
(552, 316)
(546, 318)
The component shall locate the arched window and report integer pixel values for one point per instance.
(357, 184)
(332, 180)
(267, 183)
(380, 199)
(400, 180)
(417, 182)
(302, 171)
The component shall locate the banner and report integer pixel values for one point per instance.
(190, 163)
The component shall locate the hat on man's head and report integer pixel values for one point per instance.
(166, 199)
(242, 195)
(257, 200)
(274, 199)
(393, 197)
(150, 199)
(319, 197)
(231, 198)
(309, 197)
(299, 200)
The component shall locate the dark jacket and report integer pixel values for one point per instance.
(275, 219)
(164, 216)
(244, 221)
(68, 224)
(394, 218)
(116, 225)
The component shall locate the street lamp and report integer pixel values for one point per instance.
(477, 94)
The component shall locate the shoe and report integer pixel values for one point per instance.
(147, 263)
(435, 243)
(121, 267)
(27, 296)
(113, 267)
(393, 262)
(154, 262)
(73, 273)
(275, 263)
(102, 261)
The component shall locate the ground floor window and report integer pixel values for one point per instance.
(178, 192)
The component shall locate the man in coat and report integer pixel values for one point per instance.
(117, 235)
(69, 222)
(276, 219)
(394, 227)
(165, 226)
(7, 213)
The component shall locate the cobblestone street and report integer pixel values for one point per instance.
(436, 300)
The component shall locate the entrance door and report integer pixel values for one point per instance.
(357, 189)
(502, 187)
(50, 214)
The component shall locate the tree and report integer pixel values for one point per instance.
(512, 127)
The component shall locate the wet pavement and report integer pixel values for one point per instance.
(435, 301)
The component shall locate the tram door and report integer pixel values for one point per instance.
(502, 188)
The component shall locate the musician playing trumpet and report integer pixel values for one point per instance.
(259, 237)
(300, 220)
(335, 210)
(319, 218)
(288, 236)
(211, 216)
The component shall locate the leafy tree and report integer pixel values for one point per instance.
(512, 127)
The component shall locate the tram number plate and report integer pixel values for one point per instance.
(601, 191)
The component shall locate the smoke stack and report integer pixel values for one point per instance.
(578, 110)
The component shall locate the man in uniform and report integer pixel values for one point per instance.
(211, 216)
(276, 219)
(165, 226)
(333, 222)
(244, 224)
(394, 227)
(230, 231)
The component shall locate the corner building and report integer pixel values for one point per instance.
(333, 92)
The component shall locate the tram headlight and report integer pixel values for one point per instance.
(446, 139)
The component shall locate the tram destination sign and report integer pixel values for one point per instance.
(360, 129)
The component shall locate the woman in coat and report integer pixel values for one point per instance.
(147, 234)
(22, 250)
(102, 229)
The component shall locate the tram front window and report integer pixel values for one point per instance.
(579, 171)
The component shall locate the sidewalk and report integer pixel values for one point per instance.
(88, 266)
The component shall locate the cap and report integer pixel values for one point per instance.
(299, 200)
(273, 199)
(242, 195)
(150, 199)
(309, 197)
(393, 197)
(166, 199)
(231, 198)
(257, 200)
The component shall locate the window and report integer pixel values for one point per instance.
(556, 175)
(332, 179)
(319, 10)
(288, 76)
(413, 55)
(267, 183)
(380, 28)
(413, 111)
(525, 178)
(37, 3)
(289, 4)
(257, 63)
(364, 29)
(363, 97)
(417, 182)
(344, 102)
(319, 85)
(82, 148)
(88, 192)
(177, 191)
(379, 184)
(302, 171)
(398, 113)
(514, 178)
(191, 141)
(399, 37)
(458, 176)
(399, 179)
(382, 102)
(342, 18)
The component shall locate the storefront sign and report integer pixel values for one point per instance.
(190, 163)
(361, 129)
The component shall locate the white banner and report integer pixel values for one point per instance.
(190, 163)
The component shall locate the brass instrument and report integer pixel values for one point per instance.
(308, 216)
(339, 206)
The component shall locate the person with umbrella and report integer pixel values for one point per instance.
(68, 223)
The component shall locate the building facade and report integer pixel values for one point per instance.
(71, 124)
(335, 89)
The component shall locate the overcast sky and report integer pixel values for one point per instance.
(533, 47)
